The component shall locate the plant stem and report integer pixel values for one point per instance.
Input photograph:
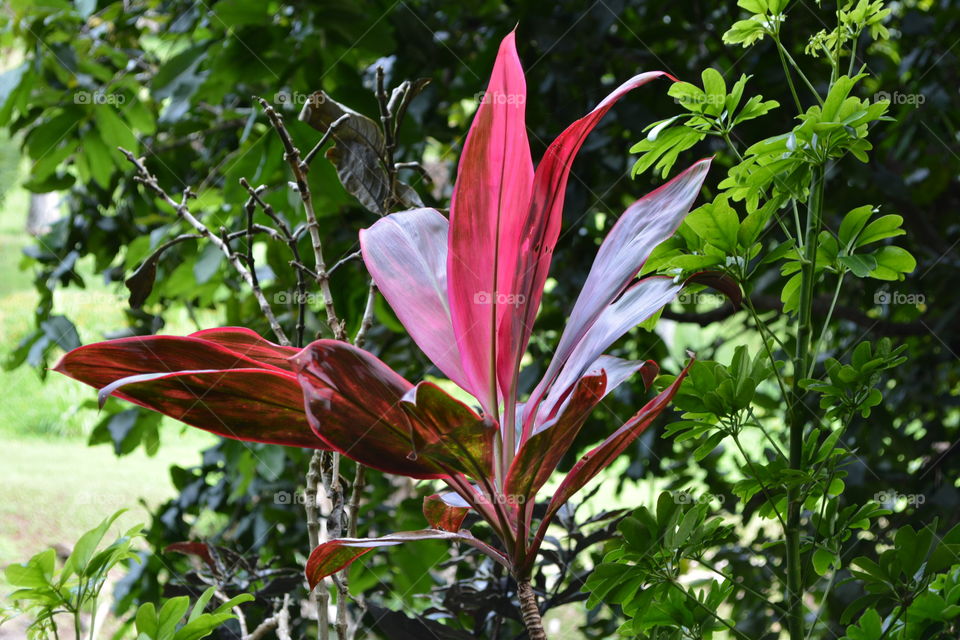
(786, 73)
(530, 611)
(319, 597)
(793, 63)
(299, 169)
(796, 421)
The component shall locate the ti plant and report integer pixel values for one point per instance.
(779, 406)
(468, 290)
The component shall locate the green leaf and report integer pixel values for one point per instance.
(853, 223)
(745, 32)
(85, 547)
(689, 96)
(170, 615)
(715, 89)
(883, 227)
(114, 131)
(35, 572)
(892, 263)
(717, 224)
(861, 265)
(823, 560)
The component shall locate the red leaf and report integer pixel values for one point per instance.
(606, 452)
(199, 549)
(720, 282)
(250, 344)
(330, 557)
(490, 197)
(455, 438)
(200, 383)
(540, 454)
(441, 515)
(354, 404)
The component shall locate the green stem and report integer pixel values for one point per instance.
(826, 323)
(853, 54)
(785, 57)
(796, 419)
(763, 486)
(786, 73)
(759, 596)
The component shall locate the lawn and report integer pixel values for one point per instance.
(54, 486)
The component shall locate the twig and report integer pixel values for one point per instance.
(280, 621)
(150, 181)
(292, 156)
(318, 600)
(307, 159)
(342, 261)
(291, 240)
(283, 619)
(367, 320)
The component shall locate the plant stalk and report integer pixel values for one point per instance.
(797, 421)
(529, 611)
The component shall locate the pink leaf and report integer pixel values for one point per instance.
(638, 303)
(406, 254)
(645, 224)
(490, 197)
(541, 223)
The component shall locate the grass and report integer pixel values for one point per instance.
(53, 487)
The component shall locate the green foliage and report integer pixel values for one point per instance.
(765, 227)
(641, 573)
(168, 623)
(919, 577)
(43, 591)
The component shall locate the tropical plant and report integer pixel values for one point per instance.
(779, 406)
(468, 291)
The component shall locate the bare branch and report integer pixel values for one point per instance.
(292, 156)
(150, 181)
